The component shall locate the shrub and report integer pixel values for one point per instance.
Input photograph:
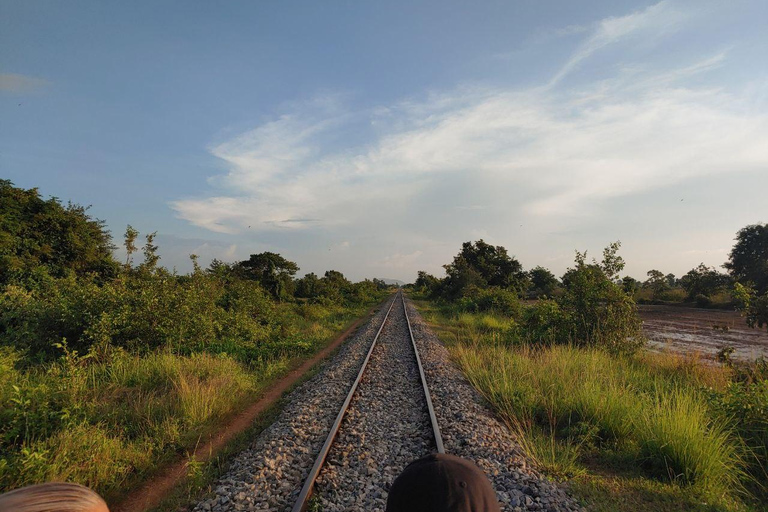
(545, 322)
(596, 309)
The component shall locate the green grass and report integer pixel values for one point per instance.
(111, 422)
(633, 432)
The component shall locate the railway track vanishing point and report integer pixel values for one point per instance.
(309, 484)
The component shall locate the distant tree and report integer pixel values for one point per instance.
(272, 271)
(39, 235)
(657, 282)
(151, 258)
(543, 282)
(426, 282)
(308, 287)
(703, 280)
(610, 266)
(380, 284)
(130, 236)
(671, 280)
(748, 261)
(480, 264)
(630, 285)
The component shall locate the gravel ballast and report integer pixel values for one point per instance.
(385, 428)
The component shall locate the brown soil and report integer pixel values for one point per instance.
(152, 492)
(705, 331)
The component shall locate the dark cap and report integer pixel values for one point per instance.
(442, 483)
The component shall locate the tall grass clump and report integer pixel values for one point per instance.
(578, 400)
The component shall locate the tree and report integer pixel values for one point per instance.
(657, 282)
(308, 287)
(426, 282)
(595, 309)
(703, 280)
(630, 285)
(39, 236)
(272, 271)
(748, 261)
(480, 264)
(543, 282)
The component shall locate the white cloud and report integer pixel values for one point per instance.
(399, 261)
(530, 159)
(568, 150)
(657, 18)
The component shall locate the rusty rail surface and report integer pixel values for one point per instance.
(309, 484)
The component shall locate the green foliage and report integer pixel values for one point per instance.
(272, 271)
(703, 280)
(481, 265)
(753, 306)
(543, 283)
(40, 238)
(545, 322)
(596, 310)
(496, 300)
(748, 261)
(136, 311)
(745, 404)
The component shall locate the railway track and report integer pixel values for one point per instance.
(386, 424)
(387, 373)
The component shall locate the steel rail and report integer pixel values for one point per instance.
(306, 491)
(430, 408)
(309, 483)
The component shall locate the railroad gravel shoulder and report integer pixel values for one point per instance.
(470, 430)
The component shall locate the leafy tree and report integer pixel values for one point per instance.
(630, 285)
(753, 306)
(703, 280)
(272, 271)
(43, 237)
(657, 282)
(426, 282)
(481, 264)
(308, 287)
(151, 258)
(594, 309)
(748, 261)
(380, 284)
(671, 280)
(130, 236)
(543, 282)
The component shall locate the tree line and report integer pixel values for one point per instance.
(592, 302)
(60, 282)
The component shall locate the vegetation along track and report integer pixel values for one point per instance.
(387, 425)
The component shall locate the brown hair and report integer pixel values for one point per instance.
(52, 497)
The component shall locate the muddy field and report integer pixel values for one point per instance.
(705, 331)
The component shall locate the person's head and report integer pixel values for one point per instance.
(442, 483)
(52, 497)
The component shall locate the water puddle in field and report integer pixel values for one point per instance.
(705, 331)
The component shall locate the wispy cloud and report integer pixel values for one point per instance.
(11, 82)
(656, 19)
(546, 154)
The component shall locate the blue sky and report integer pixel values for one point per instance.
(375, 137)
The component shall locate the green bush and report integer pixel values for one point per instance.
(545, 322)
(137, 312)
(597, 311)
